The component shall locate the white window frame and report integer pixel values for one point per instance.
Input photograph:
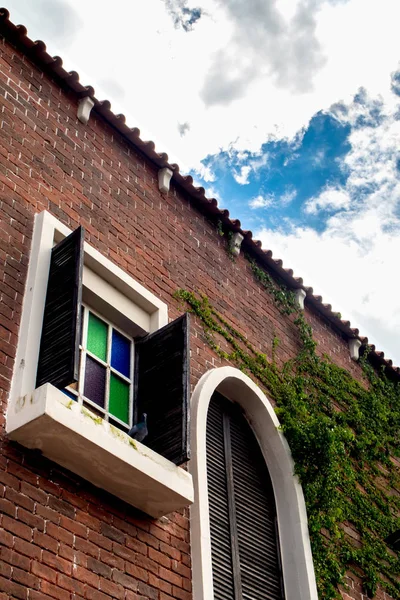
(106, 287)
(297, 564)
(66, 432)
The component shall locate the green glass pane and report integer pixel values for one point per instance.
(97, 337)
(119, 398)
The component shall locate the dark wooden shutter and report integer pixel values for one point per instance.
(162, 389)
(248, 499)
(59, 346)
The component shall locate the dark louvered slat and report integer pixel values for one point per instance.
(161, 389)
(221, 554)
(243, 524)
(59, 346)
(256, 514)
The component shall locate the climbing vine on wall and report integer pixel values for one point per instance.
(344, 438)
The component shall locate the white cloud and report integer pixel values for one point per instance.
(243, 177)
(267, 200)
(353, 262)
(205, 172)
(266, 109)
(330, 198)
(261, 201)
(287, 197)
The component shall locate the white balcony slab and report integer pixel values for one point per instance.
(77, 439)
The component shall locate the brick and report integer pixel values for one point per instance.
(147, 591)
(178, 567)
(59, 533)
(160, 534)
(112, 589)
(22, 473)
(125, 580)
(27, 548)
(181, 594)
(13, 589)
(135, 545)
(5, 570)
(112, 533)
(7, 508)
(19, 499)
(85, 576)
(61, 506)
(160, 584)
(170, 577)
(57, 563)
(6, 539)
(87, 547)
(137, 572)
(100, 540)
(33, 492)
(92, 594)
(48, 514)
(15, 559)
(34, 521)
(169, 551)
(17, 528)
(148, 539)
(72, 585)
(73, 526)
(160, 558)
(45, 541)
(88, 520)
(35, 595)
(98, 567)
(54, 591)
(25, 578)
(115, 561)
(147, 564)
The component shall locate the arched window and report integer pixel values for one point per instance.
(244, 481)
(243, 526)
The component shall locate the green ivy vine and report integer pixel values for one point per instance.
(344, 437)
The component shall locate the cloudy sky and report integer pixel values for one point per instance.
(287, 111)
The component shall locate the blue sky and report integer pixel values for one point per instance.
(286, 111)
(272, 186)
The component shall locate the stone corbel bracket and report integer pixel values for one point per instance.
(84, 107)
(354, 348)
(164, 179)
(235, 243)
(299, 296)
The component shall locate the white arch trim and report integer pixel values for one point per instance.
(297, 564)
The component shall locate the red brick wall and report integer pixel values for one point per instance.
(60, 537)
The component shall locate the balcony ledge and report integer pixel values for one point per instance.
(78, 440)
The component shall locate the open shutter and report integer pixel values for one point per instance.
(162, 389)
(59, 346)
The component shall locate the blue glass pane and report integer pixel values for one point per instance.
(70, 394)
(121, 354)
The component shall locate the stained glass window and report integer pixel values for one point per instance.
(106, 377)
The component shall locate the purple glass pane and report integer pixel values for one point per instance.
(121, 354)
(95, 381)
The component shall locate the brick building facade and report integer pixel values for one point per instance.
(61, 536)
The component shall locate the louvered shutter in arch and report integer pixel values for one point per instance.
(59, 345)
(255, 573)
(162, 389)
(221, 542)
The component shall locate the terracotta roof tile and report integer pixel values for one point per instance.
(36, 51)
